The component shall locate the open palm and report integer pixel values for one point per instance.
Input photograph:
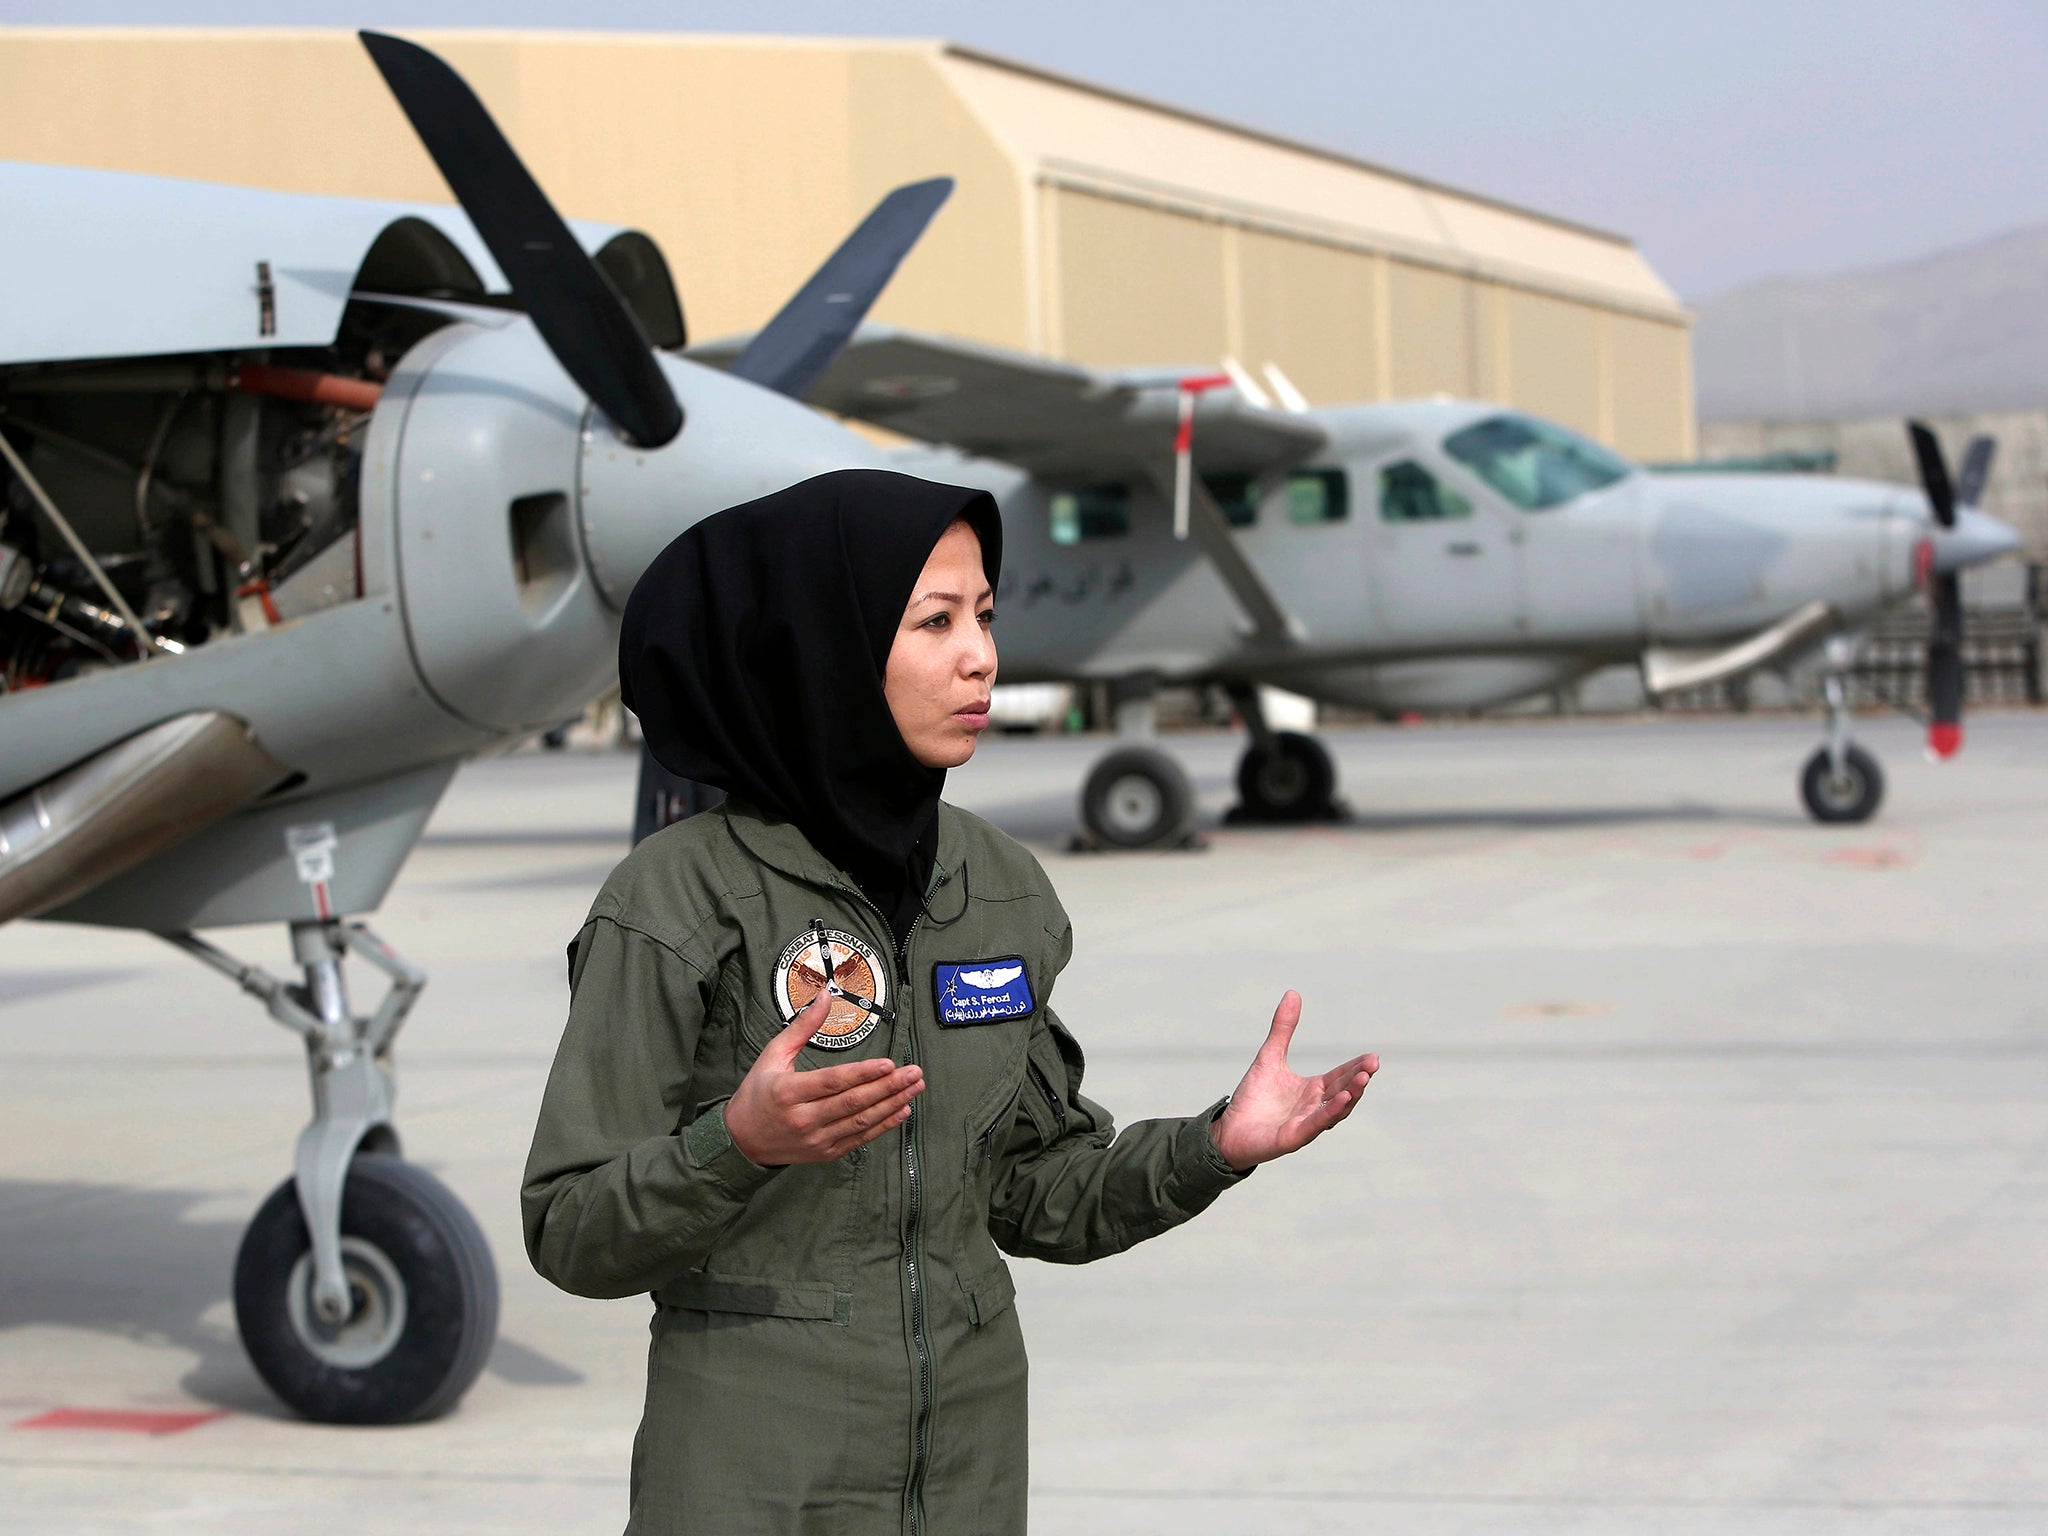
(1275, 1110)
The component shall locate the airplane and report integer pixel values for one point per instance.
(301, 506)
(1421, 555)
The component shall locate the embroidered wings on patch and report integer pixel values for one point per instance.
(982, 991)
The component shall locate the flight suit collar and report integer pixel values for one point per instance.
(782, 847)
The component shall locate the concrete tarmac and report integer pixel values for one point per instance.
(1703, 1188)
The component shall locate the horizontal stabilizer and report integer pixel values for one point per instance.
(791, 350)
(1669, 671)
(124, 805)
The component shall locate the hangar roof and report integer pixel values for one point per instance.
(1117, 144)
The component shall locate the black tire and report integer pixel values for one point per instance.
(1292, 780)
(421, 1279)
(1853, 795)
(1137, 797)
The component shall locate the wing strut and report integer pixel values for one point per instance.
(1272, 625)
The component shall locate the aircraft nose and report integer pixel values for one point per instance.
(1977, 539)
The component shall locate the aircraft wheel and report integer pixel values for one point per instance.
(1293, 780)
(1137, 797)
(1851, 795)
(423, 1292)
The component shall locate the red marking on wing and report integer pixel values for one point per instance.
(1945, 738)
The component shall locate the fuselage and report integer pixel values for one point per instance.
(1443, 555)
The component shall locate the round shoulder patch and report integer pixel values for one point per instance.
(857, 975)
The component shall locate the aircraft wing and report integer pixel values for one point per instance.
(106, 264)
(1060, 420)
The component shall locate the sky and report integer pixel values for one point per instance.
(1734, 141)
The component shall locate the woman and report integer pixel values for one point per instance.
(811, 1082)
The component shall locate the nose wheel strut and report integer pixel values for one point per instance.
(364, 1291)
(1841, 783)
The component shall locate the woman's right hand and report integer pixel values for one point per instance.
(779, 1115)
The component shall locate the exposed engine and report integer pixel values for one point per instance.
(204, 496)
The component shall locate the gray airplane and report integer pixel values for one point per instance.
(307, 500)
(1420, 555)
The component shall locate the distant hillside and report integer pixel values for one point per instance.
(1964, 330)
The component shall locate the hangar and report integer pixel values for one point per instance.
(1088, 224)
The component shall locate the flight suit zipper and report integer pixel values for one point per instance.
(913, 1221)
(913, 1218)
(1059, 1110)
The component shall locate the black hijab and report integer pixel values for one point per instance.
(753, 651)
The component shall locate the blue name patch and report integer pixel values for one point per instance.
(982, 991)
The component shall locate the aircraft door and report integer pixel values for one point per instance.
(1445, 567)
(1580, 565)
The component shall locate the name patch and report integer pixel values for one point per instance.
(982, 991)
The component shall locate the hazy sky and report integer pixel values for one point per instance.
(1734, 141)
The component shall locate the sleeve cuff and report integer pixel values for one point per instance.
(1202, 1169)
(709, 1146)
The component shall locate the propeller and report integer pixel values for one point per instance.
(1976, 469)
(577, 311)
(787, 355)
(1944, 588)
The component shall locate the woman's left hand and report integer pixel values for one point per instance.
(1275, 1111)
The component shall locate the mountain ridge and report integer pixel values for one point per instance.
(1960, 330)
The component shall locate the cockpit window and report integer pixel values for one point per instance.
(1411, 494)
(1534, 464)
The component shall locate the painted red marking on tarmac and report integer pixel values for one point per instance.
(127, 1421)
(1868, 858)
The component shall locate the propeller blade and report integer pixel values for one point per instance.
(1976, 469)
(1933, 473)
(790, 351)
(1945, 668)
(576, 310)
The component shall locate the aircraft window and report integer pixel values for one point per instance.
(1093, 512)
(1411, 494)
(1317, 496)
(1535, 464)
(1235, 495)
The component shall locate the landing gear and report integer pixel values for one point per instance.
(1283, 775)
(364, 1292)
(1841, 783)
(1291, 778)
(422, 1305)
(1845, 792)
(1138, 797)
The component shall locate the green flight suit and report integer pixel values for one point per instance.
(834, 1347)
